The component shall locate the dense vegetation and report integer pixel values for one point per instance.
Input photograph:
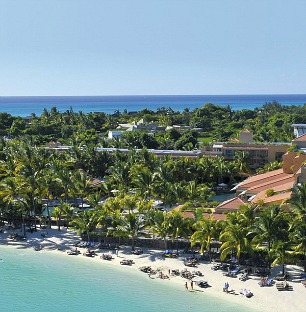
(122, 206)
(270, 123)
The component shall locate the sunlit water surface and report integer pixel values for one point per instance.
(47, 281)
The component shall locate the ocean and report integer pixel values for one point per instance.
(47, 281)
(24, 106)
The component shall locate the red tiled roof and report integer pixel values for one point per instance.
(230, 205)
(301, 138)
(267, 177)
(278, 198)
(271, 184)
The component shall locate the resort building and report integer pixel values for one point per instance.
(111, 150)
(274, 187)
(299, 129)
(257, 155)
(114, 134)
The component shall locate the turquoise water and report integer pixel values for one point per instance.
(26, 105)
(46, 281)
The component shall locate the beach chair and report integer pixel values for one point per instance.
(202, 284)
(247, 293)
(281, 286)
(244, 276)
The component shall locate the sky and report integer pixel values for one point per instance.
(152, 47)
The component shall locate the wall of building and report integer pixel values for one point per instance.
(275, 152)
(292, 161)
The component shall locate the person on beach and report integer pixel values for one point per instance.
(226, 286)
(191, 285)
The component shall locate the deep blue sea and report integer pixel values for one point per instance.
(46, 281)
(26, 105)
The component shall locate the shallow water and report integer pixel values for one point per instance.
(46, 281)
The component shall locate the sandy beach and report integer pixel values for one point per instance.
(265, 298)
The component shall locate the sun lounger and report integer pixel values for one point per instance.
(145, 269)
(303, 275)
(198, 273)
(282, 286)
(170, 254)
(106, 257)
(202, 284)
(126, 262)
(244, 276)
(137, 251)
(246, 293)
(266, 282)
(215, 267)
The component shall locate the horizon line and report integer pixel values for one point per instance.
(152, 95)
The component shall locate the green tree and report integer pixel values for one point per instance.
(234, 240)
(85, 222)
(131, 226)
(205, 231)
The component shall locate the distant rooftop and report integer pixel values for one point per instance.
(299, 129)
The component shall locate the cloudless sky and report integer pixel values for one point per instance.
(131, 47)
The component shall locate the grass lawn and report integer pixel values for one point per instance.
(205, 140)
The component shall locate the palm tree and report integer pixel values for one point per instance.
(120, 174)
(131, 226)
(298, 237)
(241, 161)
(197, 193)
(269, 228)
(48, 189)
(63, 175)
(247, 214)
(143, 180)
(234, 240)
(129, 202)
(59, 211)
(81, 185)
(85, 222)
(160, 225)
(205, 231)
(221, 168)
(178, 225)
(163, 178)
(298, 200)
(13, 193)
(281, 254)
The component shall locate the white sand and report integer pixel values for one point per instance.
(265, 298)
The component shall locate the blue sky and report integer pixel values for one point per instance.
(131, 47)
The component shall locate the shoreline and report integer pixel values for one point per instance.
(264, 299)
